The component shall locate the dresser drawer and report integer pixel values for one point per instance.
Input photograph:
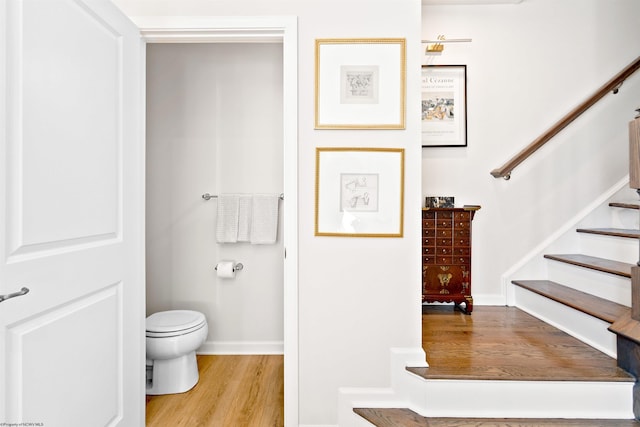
(429, 260)
(428, 241)
(461, 260)
(443, 223)
(428, 223)
(459, 233)
(461, 241)
(446, 250)
(444, 215)
(463, 251)
(428, 215)
(444, 233)
(429, 251)
(462, 216)
(461, 224)
(444, 242)
(428, 232)
(444, 259)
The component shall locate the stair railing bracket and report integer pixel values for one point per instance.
(617, 88)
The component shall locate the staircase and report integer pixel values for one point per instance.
(621, 338)
(594, 309)
(587, 293)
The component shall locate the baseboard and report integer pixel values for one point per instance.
(397, 394)
(489, 299)
(241, 347)
(479, 299)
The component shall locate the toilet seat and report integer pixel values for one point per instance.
(173, 323)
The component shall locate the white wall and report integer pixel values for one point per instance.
(358, 297)
(214, 124)
(527, 66)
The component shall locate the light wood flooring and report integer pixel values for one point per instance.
(233, 391)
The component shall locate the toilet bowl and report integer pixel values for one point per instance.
(172, 339)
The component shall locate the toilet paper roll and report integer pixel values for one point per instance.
(226, 270)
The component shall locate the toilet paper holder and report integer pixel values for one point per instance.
(236, 267)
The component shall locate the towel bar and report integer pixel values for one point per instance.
(208, 196)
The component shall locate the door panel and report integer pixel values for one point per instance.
(71, 214)
(66, 111)
(91, 372)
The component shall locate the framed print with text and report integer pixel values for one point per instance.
(444, 106)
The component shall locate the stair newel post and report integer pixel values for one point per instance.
(634, 152)
(634, 182)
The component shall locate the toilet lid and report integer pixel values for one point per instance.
(174, 321)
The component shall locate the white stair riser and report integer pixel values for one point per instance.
(474, 398)
(604, 285)
(609, 247)
(515, 399)
(582, 326)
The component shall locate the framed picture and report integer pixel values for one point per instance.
(439, 202)
(444, 105)
(359, 192)
(360, 84)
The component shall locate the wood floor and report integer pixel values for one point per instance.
(505, 343)
(492, 343)
(399, 417)
(500, 343)
(233, 391)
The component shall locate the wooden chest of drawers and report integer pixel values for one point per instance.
(446, 255)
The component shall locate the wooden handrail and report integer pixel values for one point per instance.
(614, 84)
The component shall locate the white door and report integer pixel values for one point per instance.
(71, 215)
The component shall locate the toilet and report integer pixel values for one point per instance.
(172, 339)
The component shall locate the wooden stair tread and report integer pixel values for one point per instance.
(391, 417)
(625, 205)
(521, 373)
(617, 232)
(592, 305)
(504, 343)
(394, 417)
(600, 264)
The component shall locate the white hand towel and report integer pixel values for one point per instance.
(264, 219)
(244, 218)
(227, 221)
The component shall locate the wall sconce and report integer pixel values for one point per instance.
(437, 46)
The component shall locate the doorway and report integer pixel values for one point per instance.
(214, 126)
(260, 29)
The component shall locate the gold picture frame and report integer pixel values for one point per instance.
(360, 83)
(359, 192)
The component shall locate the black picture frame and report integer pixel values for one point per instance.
(444, 105)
